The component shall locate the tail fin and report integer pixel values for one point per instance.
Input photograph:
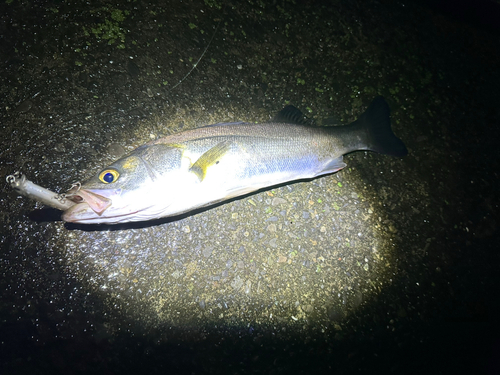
(377, 123)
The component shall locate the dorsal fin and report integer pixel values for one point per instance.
(225, 124)
(291, 115)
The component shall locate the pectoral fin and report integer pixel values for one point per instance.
(209, 158)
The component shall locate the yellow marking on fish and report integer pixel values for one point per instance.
(131, 163)
(184, 154)
(209, 158)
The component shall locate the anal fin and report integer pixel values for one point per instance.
(334, 166)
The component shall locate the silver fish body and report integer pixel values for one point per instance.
(204, 166)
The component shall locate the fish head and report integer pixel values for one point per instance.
(115, 194)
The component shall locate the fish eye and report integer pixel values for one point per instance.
(108, 176)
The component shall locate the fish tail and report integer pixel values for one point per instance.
(376, 124)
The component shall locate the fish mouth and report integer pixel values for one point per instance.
(106, 206)
(94, 206)
(83, 214)
(78, 213)
(90, 204)
(97, 202)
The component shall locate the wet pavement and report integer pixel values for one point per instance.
(389, 264)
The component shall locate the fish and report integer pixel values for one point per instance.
(201, 167)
